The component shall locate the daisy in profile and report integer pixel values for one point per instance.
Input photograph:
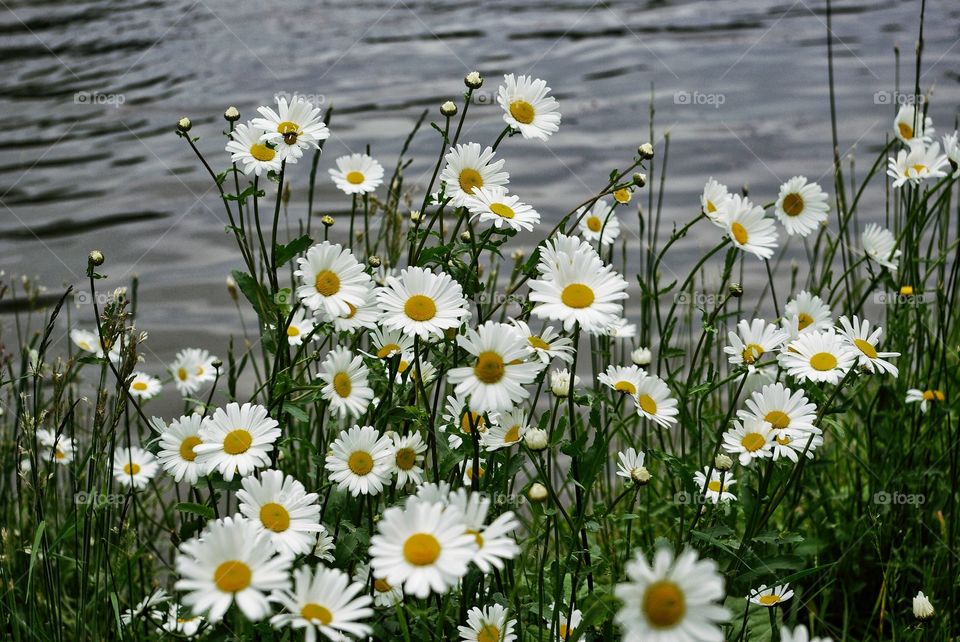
(421, 303)
(292, 128)
(672, 599)
(177, 442)
(793, 443)
(56, 448)
(424, 547)
(86, 340)
(621, 329)
(858, 334)
(714, 200)
(180, 621)
(527, 106)
(473, 467)
(143, 386)
(345, 383)
(384, 595)
(357, 174)
(384, 344)
(365, 316)
(494, 545)
(147, 608)
(496, 380)
(911, 125)
(470, 167)
(299, 328)
(461, 422)
(752, 340)
(770, 596)
(134, 467)
(599, 223)
(331, 279)
(623, 379)
(951, 148)
(750, 439)
(748, 228)
(546, 346)
(408, 453)
(506, 432)
(717, 489)
(880, 245)
(360, 460)
(247, 149)
(819, 356)
(631, 466)
(655, 402)
(232, 561)
(489, 624)
(925, 397)
(562, 384)
(236, 439)
(810, 311)
(560, 251)
(325, 546)
(406, 369)
(493, 205)
(192, 368)
(920, 163)
(780, 407)
(324, 601)
(565, 627)
(281, 505)
(801, 206)
(583, 292)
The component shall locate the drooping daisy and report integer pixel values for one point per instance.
(631, 467)
(752, 340)
(770, 596)
(793, 443)
(324, 601)
(560, 251)
(716, 490)
(366, 315)
(331, 279)
(546, 346)
(655, 402)
(191, 368)
(236, 439)
(424, 546)
(781, 408)
(508, 431)
(925, 397)
(384, 594)
(325, 546)
(299, 328)
(565, 627)
(422, 303)
(494, 545)
(599, 223)
(819, 356)
(408, 453)
(801, 206)
(672, 600)
(713, 200)
(528, 107)
(387, 343)
(748, 228)
(134, 467)
(281, 505)
(292, 128)
(920, 163)
(495, 380)
(880, 245)
(232, 561)
(468, 168)
(461, 421)
(360, 460)
(866, 342)
(624, 379)
(56, 448)
(489, 624)
(583, 291)
(799, 634)
(143, 386)
(246, 148)
(177, 442)
(911, 125)
(750, 439)
(357, 174)
(810, 311)
(494, 205)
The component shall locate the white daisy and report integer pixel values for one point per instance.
(422, 303)
(621, 329)
(801, 206)
(283, 508)
(489, 624)
(325, 546)
(781, 408)
(345, 383)
(468, 168)
(324, 601)
(750, 439)
(546, 346)
(818, 356)
(654, 401)
(583, 291)
(716, 490)
(406, 369)
(812, 314)
(918, 164)
(599, 223)
(292, 128)
(752, 340)
(528, 107)
(299, 328)
(360, 460)
(146, 608)
(880, 245)
(748, 228)
(624, 379)
(90, 342)
(565, 627)
(191, 368)
(925, 397)
(246, 148)
(631, 467)
(236, 439)
(866, 342)
(922, 607)
(508, 431)
(357, 174)
(461, 421)
(366, 315)
(799, 634)
(143, 386)
(560, 251)
(672, 600)
(331, 279)
(562, 384)
(408, 454)
(232, 561)
(494, 545)
(713, 200)
(177, 441)
(772, 596)
(492, 204)
(911, 125)
(384, 594)
(384, 344)
(56, 448)
(468, 471)
(134, 467)
(179, 620)
(791, 443)
(951, 148)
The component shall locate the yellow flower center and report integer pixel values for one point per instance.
(778, 419)
(381, 586)
(406, 458)
(563, 631)
(919, 168)
(934, 395)
(352, 311)
(793, 204)
(182, 374)
(387, 350)
(664, 604)
(739, 233)
(538, 343)
(420, 307)
(59, 454)
(139, 385)
(622, 196)
(275, 517)
(470, 179)
(402, 366)
(784, 440)
(293, 331)
(866, 348)
(477, 420)
(823, 361)
(186, 448)
(752, 352)
(360, 462)
(261, 152)
(313, 611)
(237, 441)
(906, 131)
(753, 441)
(711, 208)
(131, 468)
(482, 472)
(232, 576)
(647, 404)
(594, 224)
(501, 210)
(421, 549)
(512, 435)
(804, 320)
(577, 295)
(625, 386)
(488, 633)
(476, 536)
(342, 384)
(327, 283)
(522, 111)
(769, 600)
(355, 178)
(489, 367)
(714, 486)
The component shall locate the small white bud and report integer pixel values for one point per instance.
(538, 493)
(922, 608)
(641, 356)
(722, 462)
(536, 439)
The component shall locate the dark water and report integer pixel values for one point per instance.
(91, 90)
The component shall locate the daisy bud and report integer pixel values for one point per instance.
(184, 125)
(736, 290)
(640, 179)
(216, 364)
(465, 236)
(622, 196)
(473, 80)
(327, 220)
(536, 439)
(641, 356)
(95, 258)
(517, 255)
(232, 114)
(560, 382)
(232, 288)
(415, 216)
(645, 151)
(448, 109)
(922, 608)
(640, 475)
(722, 463)
(374, 261)
(538, 493)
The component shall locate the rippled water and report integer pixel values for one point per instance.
(91, 91)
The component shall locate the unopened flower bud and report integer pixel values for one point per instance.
(645, 151)
(640, 179)
(415, 216)
(374, 261)
(517, 255)
(448, 109)
(327, 220)
(922, 608)
(184, 125)
(722, 462)
(232, 114)
(736, 290)
(536, 439)
(538, 493)
(560, 382)
(641, 356)
(95, 257)
(465, 236)
(473, 80)
(232, 288)
(217, 364)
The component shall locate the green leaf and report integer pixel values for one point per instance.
(34, 553)
(286, 252)
(249, 286)
(201, 510)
